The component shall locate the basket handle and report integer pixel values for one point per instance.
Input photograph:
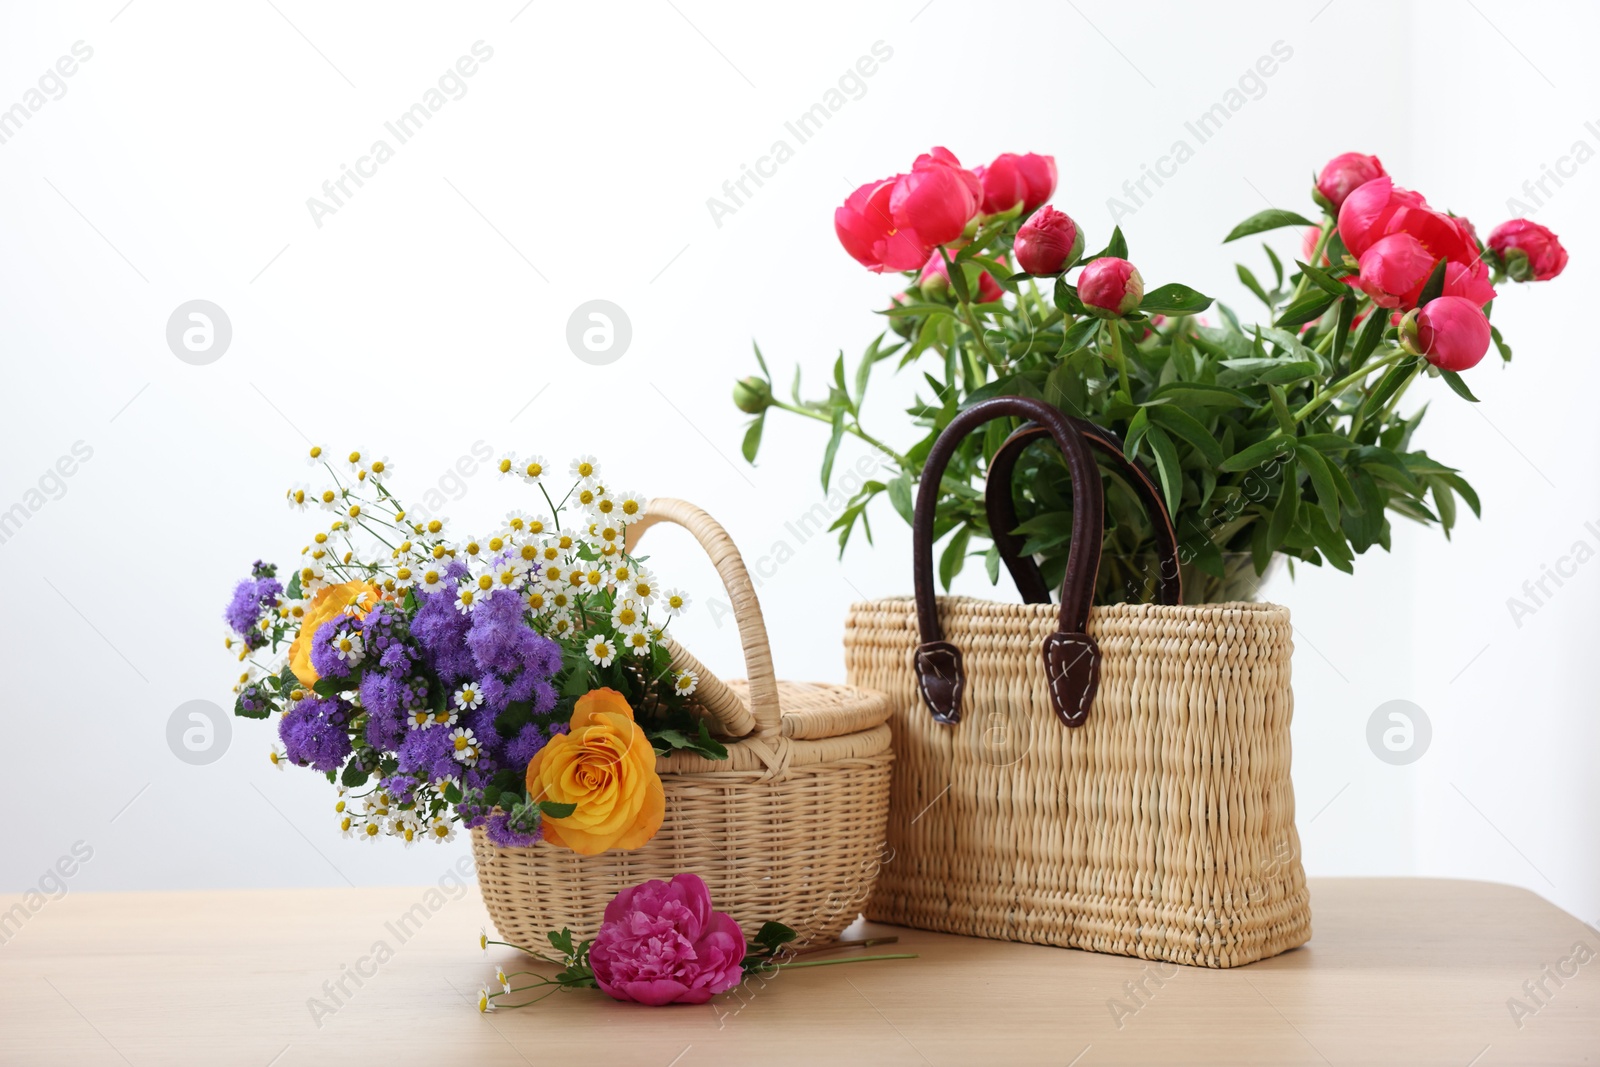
(1002, 511)
(746, 611)
(1071, 656)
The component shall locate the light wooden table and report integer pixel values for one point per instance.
(1399, 972)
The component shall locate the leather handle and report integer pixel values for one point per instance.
(1071, 656)
(1002, 511)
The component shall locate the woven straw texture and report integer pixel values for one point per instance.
(789, 828)
(1162, 828)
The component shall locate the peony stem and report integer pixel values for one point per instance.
(850, 959)
(1344, 383)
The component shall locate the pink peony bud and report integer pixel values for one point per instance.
(934, 281)
(1452, 333)
(1047, 242)
(1039, 178)
(1110, 287)
(1343, 173)
(1530, 251)
(1012, 179)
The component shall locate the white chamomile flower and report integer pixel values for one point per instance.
(406, 827)
(278, 757)
(537, 600)
(432, 576)
(627, 616)
(520, 524)
(347, 826)
(529, 553)
(586, 494)
(506, 466)
(313, 576)
(622, 573)
(470, 549)
(464, 746)
(584, 467)
(485, 1000)
(600, 650)
(606, 533)
(315, 456)
(467, 597)
(637, 642)
(685, 683)
(509, 574)
(443, 718)
(405, 575)
(504, 979)
(348, 646)
(299, 496)
(560, 622)
(329, 499)
(675, 601)
(534, 469)
(560, 600)
(442, 830)
(354, 459)
(371, 830)
(604, 506)
(496, 543)
(379, 468)
(643, 586)
(483, 940)
(434, 527)
(591, 579)
(553, 575)
(630, 506)
(469, 696)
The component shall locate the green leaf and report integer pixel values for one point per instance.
(1341, 336)
(1371, 333)
(1499, 343)
(353, 776)
(292, 590)
(900, 496)
(953, 556)
(553, 810)
(1275, 447)
(1280, 410)
(1178, 421)
(1174, 299)
(761, 360)
(774, 935)
(1270, 219)
(1250, 283)
(1322, 280)
(452, 793)
(752, 438)
(1168, 468)
(1288, 507)
(1434, 286)
(832, 450)
(1308, 307)
(1066, 298)
(1321, 480)
(1453, 380)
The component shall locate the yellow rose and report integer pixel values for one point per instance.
(607, 768)
(352, 598)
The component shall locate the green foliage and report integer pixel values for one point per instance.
(1264, 439)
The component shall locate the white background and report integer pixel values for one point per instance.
(428, 311)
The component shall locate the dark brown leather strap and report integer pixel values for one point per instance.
(1071, 657)
(1002, 512)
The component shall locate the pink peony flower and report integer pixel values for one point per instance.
(1030, 179)
(937, 199)
(1530, 251)
(868, 232)
(661, 943)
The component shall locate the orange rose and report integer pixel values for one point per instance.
(352, 598)
(605, 766)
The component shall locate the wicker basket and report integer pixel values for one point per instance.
(1125, 791)
(789, 828)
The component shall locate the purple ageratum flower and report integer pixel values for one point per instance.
(441, 631)
(526, 745)
(429, 754)
(314, 733)
(500, 639)
(503, 834)
(327, 662)
(249, 597)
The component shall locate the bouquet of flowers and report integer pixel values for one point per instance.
(1278, 438)
(443, 681)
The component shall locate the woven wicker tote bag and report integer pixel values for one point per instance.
(1113, 778)
(789, 828)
